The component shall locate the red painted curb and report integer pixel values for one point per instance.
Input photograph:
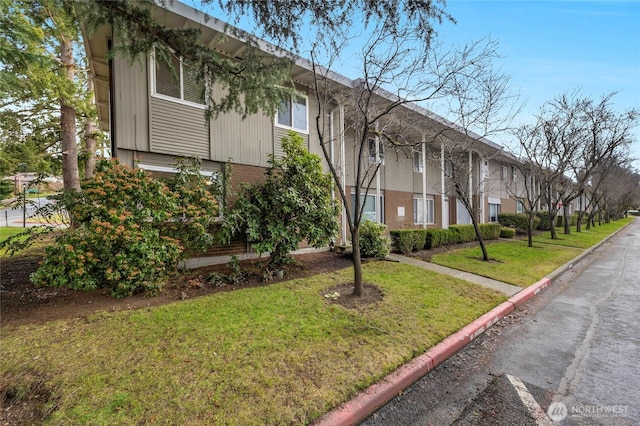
(458, 340)
(521, 297)
(378, 394)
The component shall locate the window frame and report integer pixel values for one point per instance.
(431, 210)
(519, 206)
(364, 213)
(417, 162)
(497, 212)
(372, 151)
(293, 115)
(181, 99)
(505, 172)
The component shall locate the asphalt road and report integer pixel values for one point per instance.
(14, 217)
(574, 348)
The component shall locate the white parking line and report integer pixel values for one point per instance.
(536, 412)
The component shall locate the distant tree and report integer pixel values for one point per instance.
(39, 84)
(293, 204)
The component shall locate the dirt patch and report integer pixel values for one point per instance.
(342, 294)
(25, 400)
(23, 303)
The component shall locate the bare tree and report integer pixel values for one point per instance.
(480, 104)
(381, 114)
(528, 193)
(606, 143)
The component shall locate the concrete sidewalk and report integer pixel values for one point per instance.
(375, 396)
(500, 286)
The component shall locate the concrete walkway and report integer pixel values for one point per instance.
(500, 286)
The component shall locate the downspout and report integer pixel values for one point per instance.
(424, 182)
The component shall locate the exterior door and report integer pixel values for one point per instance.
(463, 215)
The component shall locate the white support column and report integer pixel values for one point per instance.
(343, 177)
(423, 158)
(470, 193)
(481, 196)
(443, 190)
(378, 165)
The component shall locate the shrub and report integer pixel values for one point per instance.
(373, 243)
(463, 233)
(518, 221)
(408, 240)
(292, 205)
(438, 238)
(122, 236)
(507, 232)
(545, 221)
(490, 231)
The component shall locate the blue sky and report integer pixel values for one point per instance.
(552, 47)
(549, 48)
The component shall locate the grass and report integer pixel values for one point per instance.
(584, 239)
(280, 354)
(515, 263)
(8, 231)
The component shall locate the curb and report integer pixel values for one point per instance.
(377, 395)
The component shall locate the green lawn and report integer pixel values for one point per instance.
(585, 238)
(8, 231)
(280, 354)
(515, 263)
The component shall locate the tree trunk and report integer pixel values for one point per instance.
(485, 255)
(90, 129)
(567, 219)
(530, 230)
(70, 173)
(578, 224)
(358, 285)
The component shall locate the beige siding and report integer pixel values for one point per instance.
(178, 129)
(131, 95)
(245, 141)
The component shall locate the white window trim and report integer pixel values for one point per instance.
(370, 194)
(165, 169)
(417, 167)
(154, 94)
(430, 200)
(379, 156)
(306, 119)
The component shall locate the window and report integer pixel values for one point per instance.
(513, 173)
(494, 211)
(369, 207)
(503, 177)
(292, 114)
(519, 207)
(177, 80)
(417, 210)
(372, 152)
(417, 162)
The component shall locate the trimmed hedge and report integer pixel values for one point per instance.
(507, 232)
(460, 234)
(517, 221)
(545, 221)
(406, 241)
(490, 231)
